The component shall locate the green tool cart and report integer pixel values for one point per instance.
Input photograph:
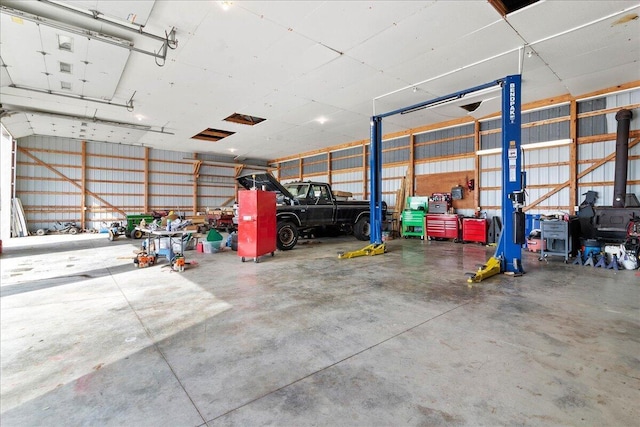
(413, 217)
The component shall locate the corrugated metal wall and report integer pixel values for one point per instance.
(547, 144)
(596, 117)
(349, 181)
(116, 173)
(49, 181)
(47, 196)
(170, 173)
(49, 170)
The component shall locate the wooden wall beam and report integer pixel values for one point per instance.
(365, 178)
(196, 175)
(83, 201)
(573, 154)
(145, 202)
(476, 163)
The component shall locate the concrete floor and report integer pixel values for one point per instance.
(304, 338)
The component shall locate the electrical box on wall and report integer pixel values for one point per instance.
(457, 193)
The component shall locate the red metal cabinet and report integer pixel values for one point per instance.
(474, 230)
(256, 223)
(443, 226)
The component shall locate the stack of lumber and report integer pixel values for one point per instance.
(18, 220)
(401, 196)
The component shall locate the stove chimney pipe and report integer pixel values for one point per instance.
(622, 156)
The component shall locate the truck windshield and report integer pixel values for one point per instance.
(299, 191)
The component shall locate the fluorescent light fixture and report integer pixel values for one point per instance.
(546, 144)
(321, 120)
(489, 151)
(534, 146)
(225, 5)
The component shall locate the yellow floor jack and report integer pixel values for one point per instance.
(491, 268)
(369, 250)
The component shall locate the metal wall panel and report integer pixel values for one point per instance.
(316, 178)
(174, 156)
(348, 181)
(290, 169)
(348, 163)
(454, 165)
(395, 142)
(395, 156)
(47, 197)
(350, 158)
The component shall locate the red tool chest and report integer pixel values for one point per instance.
(256, 223)
(474, 230)
(443, 226)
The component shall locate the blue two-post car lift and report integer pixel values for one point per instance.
(507, 257)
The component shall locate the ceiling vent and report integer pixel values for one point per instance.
(212, 135)
(65, 43)
(65, 85)
(506, 7)
(65, 67)
(244, 119)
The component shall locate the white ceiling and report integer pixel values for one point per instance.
(292, 62)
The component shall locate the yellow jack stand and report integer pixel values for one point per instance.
(372, 249)
(491, 268)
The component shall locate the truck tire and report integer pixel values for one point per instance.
(287, 235)
(136, 234)
(362, 229)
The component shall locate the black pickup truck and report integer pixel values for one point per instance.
(309, 207)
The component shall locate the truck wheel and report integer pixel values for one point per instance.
(362, 229)
(137, 234)
(287, 236)
(73, 230)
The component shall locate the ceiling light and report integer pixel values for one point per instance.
(225, 5)
(65, 85)
(321, 120)
(233, 150)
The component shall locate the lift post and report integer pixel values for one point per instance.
(508, 255)
(509, 251)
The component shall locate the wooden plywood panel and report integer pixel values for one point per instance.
(443, 183)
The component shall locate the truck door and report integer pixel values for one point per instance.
(321, 207)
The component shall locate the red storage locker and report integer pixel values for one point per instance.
(256, 223)
(474, 230)
(443, 226)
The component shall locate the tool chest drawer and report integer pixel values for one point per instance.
(555, 234)
(474, 230)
